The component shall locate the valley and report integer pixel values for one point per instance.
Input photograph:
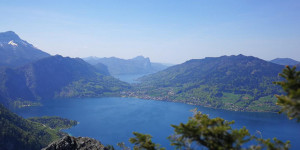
(149, 75)
(121, 96)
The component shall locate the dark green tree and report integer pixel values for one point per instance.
(217, 134)
(291, 85)
(202, 132)
(213, 133)
(144, 142)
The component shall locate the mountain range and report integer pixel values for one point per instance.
(285, 61)
(118, 66)
(54, 77)
(242, 83)
(29, 76)
(16, 52)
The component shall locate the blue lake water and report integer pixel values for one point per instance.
(112, 120)
(129, 78)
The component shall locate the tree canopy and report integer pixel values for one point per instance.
(291, 85)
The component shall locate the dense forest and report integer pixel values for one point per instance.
(54, 122)
(35, 133)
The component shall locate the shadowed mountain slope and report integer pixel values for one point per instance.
(54, 77)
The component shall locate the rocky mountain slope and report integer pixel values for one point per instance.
(75, 143)
(16, 52)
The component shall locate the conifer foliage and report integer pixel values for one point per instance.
(202, 132)
(291, 85)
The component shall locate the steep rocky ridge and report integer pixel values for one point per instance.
(75, 143)
(16, 52)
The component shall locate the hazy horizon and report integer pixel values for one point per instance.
(165, 31)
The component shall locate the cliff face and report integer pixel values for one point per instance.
(118, 66)
(73, 143)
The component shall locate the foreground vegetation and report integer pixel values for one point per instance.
(19, 133)
(291, 102)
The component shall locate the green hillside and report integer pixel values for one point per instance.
(240, 83)
(18, 133)
(54, 122)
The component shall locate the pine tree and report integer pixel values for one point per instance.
(291, 85)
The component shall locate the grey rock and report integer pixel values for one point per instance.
(75, 143)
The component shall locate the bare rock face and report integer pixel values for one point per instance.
(73, 143)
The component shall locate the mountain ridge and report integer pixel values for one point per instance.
(118, 66)
(16, 52)
(54, 77)
(241, 83)
(285, 61)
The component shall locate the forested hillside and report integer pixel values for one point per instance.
(19, 133)
(242, 83)
(55, 77)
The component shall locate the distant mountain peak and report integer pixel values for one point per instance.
(16, 52)
(136, 65)
(285, 61)
(12, 39)
(139, 57)
(233, 57)
(9, 33)
(8, 36)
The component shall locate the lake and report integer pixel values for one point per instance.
(130, 78)
(112, 120)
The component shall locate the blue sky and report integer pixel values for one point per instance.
(169, 31)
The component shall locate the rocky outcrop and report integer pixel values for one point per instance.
(75, 143)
